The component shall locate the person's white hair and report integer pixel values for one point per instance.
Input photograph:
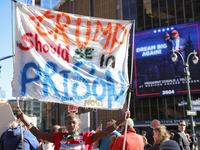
(15, 123)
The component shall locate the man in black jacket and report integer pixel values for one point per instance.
(180, 136)
(149, 135)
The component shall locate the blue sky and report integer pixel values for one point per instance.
(6, 74)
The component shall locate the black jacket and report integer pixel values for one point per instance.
(182, 140)
(149, 136)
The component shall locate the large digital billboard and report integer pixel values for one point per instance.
(154, 72)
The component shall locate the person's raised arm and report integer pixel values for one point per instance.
(167, 36)
(96, 143)
(107, 131)
(35, 131)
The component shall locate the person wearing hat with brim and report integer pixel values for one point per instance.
(134, 141)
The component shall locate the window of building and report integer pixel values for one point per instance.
(140, 2)
(145, 108)
(161, 107)
(38, 2)
(36, 103)
(138, 109)
(133, 12)
(163, 13)
(180, 110)
(125, 4)
(188, 12)
(170, 108)
(196, 5)
(179, 11)
(154, 109)
(125, 12)
(155, 14)
(36, 108)
(171, 12)
(140, 17)
(36, 114)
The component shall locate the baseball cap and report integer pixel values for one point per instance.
(174, 31)
(130, 122)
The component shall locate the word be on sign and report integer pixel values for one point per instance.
(72, 109)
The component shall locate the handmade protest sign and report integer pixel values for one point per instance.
(72, 59)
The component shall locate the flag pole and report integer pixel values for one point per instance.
(13, 47)
(131, 84)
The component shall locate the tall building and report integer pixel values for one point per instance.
(148, 14)
(49, 4)
(31, 107)
(2, 93)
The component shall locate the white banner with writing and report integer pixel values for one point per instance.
(72, 59)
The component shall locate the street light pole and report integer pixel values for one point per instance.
(187, 75)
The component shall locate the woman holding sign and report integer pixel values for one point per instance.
(72, 139)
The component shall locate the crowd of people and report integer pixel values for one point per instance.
(68, 137)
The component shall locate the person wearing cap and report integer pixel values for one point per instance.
(11, 138)
(169, 145)
(177, 43)
(134, 141)
(180, 136)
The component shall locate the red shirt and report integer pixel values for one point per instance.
(62, 143)
(133, 141)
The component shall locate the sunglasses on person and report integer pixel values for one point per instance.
(181, 124)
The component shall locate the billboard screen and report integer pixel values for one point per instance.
(154, 72)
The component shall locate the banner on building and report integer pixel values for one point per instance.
(72, 59)
(155, 73)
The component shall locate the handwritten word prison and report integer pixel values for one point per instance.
(46, 74)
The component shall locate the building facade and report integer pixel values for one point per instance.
(2, 93)
(30, 107)
(49, 4)
(148, 14)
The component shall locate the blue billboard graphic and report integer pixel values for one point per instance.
(154, 72)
